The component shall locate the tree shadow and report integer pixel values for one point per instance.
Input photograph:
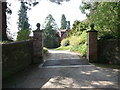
(77, 77)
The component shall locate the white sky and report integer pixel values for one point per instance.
(40, 12)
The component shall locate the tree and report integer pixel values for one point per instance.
(30, 3)
(58, 1)
(63, 22)
(4, 24)
(23, 18)
(5, 9)
(105, 15)
(23, 23)
(50, 21)
(50, 36)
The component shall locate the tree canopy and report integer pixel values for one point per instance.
(23, 18)
(50, 32)
(63, 22)
(105, 16)
(23, 24)
(50, 22)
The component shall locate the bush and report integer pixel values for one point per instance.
(74, 40)
(83, 37)
(23, 35)
(64, 48)
(75, 43)
(65, 42)
(45, 50)
(80, 48)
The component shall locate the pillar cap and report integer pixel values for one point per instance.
(38, 28)
(92, 28)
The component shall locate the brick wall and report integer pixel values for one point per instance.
(109, 51)
(16, 56)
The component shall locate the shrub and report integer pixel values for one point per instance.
(74, 40)
(45, 50)
(80, 48)
(65, 42)
(83, 49)
(64, 48)
(83, 37)
(23, 35)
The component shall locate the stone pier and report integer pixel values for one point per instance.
(38, 45)
(92, 49)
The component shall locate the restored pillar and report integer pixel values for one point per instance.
(38, 45)
(92, 50)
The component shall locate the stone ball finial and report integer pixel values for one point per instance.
(38, 26)
(92, 26)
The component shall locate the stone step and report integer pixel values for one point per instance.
(66, 62)
(69, 66)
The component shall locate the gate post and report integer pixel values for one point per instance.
(92, 50)
(38, 45)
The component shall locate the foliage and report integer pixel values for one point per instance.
(76, 43)
(64, 48)
(77, 38)
(50, 36)
(80, 48)
(79, 43)
(50, 22)
(63, 22)
(23, 25)
(29, 4)
(45, 50)
(59, 2)
(74, 40)
(78, 27)
(105, 16)
(23, 18)
(23, 35)
(65, 42)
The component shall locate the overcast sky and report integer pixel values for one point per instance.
(40, 12)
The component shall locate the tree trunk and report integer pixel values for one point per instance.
(4, 23)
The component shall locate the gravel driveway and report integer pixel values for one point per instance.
(64, 76)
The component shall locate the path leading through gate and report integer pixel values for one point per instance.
(64, 59)
(64, 69)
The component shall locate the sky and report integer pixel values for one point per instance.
(43, 9)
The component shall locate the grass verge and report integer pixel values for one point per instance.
(64, 48)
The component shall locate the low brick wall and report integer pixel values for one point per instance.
(109, 51)
(16, 56)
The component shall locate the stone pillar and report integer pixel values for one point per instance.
(92, 50)
(38, 45)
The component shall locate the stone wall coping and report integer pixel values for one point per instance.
(92, 31)
(110, 40)
(17, 42)
(38, 31)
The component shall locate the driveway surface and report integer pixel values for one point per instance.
(59, 71)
